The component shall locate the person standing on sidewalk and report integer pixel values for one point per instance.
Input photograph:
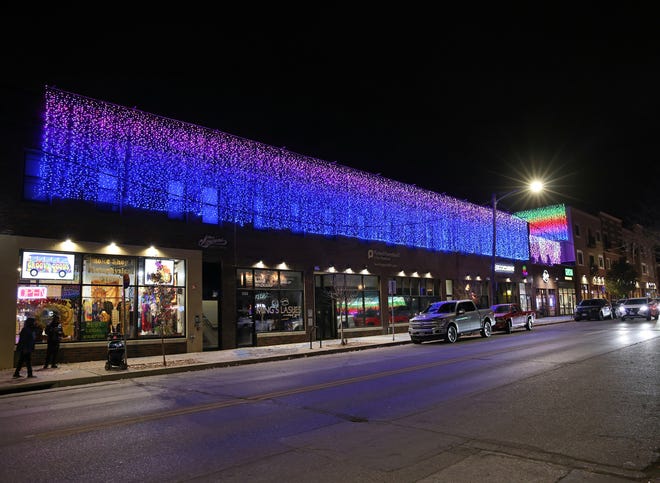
(54, 334)
(25, 347)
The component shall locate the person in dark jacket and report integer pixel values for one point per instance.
(25, 347)
(54, 335)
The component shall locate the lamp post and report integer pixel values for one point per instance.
(534, 187)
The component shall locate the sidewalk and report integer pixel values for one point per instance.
(94, 371)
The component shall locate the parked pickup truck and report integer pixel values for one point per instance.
(511, 316)
(449, 319)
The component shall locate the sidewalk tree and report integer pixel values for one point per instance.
(163, 294)
(343, 296)
(620, 279)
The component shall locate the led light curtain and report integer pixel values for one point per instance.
(548, 227)
(104, 153)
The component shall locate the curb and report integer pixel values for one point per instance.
(91, 376)
(157, 371)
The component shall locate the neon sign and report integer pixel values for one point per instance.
(32, 293)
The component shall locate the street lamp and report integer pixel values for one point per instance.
(533, 187)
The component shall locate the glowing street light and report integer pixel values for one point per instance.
(534, 186)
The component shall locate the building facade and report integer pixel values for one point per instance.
(179, 238)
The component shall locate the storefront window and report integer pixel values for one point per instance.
(49, 283)
(365, 309)
(102, 294)
(161, 298)
(268, 301)
(356, 299)
(417, 295)
(97, 295)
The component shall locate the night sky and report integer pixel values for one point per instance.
(453, 104)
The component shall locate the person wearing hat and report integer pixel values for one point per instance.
(54, 335)
(25, 347)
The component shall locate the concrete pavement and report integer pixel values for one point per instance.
(77, 373)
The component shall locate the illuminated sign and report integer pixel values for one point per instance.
(501, 268)
(31, 293)
(158, 271)
(47, 266)
(568, 272)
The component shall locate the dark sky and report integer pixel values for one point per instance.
(452, 103)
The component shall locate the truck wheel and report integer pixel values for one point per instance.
(508, 326)
(530, 323)
(416, 341)
(486, 331)
(452, 334)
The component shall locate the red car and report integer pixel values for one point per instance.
(511, 316)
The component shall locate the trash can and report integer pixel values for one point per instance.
(116, 354)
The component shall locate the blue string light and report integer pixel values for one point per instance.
(104, 153)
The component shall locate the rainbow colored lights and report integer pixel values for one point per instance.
(104, 153)
(549, 222)
(548, 228)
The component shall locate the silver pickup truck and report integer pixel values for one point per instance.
(449, 319)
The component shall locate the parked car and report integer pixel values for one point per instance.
(654, 308)
(636, 307)
(615, 307)
(448, 320)
(511, 316)
(598, 309)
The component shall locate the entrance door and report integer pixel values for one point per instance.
(211, 339)
(210, 325)
(326, 315)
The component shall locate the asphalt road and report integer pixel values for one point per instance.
(567, 402)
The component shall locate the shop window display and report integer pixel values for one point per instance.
(268, 301)
(49, 284)
(103, 295)
(161, 298)
(99, 295)
(356, 299)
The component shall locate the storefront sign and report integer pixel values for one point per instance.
(47, 266)
(381, 258)
(502, 268)
(210, 240)
(32, 293)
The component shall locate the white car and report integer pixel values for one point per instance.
(598, 309)
(636, 307)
